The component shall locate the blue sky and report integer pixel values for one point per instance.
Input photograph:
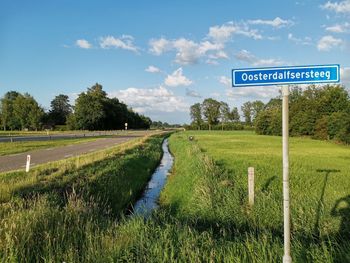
(162, 56)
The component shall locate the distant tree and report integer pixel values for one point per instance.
(224, 113)
(117, 114)
(319, 111)
(257, 107)
(95, 111)
(6, 108)
(247, 109)
(35, 116)
(321, 128)
(196, 115)
(344, 133)
(234, 115)
(89, 108)
(27, 112)
(60, 109)
(72, 122)
(146, 122)
(211, 111)
(269, 122)
(336, 123)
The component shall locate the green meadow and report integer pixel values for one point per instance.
(77, 213)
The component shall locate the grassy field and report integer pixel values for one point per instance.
(320, 194)
(67, 210)
(70, 214)
(7, 148)
(205, 216)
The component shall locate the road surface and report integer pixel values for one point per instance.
(17, 161)
(57, 136)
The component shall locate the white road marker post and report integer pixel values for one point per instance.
(28, 164)
(286, 202)
(126, 126)
(251, 185)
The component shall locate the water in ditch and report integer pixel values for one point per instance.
(149, 200)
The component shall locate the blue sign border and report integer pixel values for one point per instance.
(337, 66)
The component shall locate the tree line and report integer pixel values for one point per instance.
(320, 112)
(213, 114)
(93, 110)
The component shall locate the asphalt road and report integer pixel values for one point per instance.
(18, 161)
(55, 137)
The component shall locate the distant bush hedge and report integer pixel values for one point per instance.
(319, 112)
(230, 126)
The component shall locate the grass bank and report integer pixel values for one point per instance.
(205, 216)
(67, 210)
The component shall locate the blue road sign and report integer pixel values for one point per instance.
(285, 75)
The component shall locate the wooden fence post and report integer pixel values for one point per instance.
(251, 185)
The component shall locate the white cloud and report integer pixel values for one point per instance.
(193, 93)
(187, 51)
(151, 100)
(215, 94)
(277, 22)
(339, 28)
(177, 79)
(152, 69)
(225, 81)
(245, 55)
(223, 33)
(212, 46)
(301, 41)
(82, 43)
(218, 55)
(253, 93)
(326, 43)
(159, 46)
(338, 7)
(268, 62)
(212, 62)
(345, 76)
(124, 42)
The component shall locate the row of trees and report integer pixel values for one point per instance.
(20, 111)
(320, 112)
(163, 125)
(211, 112)
(93, 110)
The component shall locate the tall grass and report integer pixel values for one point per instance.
(204, 216)
(69, 212)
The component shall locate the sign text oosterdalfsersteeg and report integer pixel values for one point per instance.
(285, 75)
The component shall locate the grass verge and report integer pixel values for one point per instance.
(204, 216)
(67, 210)
(7, 148)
